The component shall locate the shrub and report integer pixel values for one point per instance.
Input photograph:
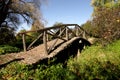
(8, 49)
(16, 71)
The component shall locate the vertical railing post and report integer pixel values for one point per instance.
(67, 35)
(60, 31)
(84, 36)
(77, 31)
(47, 37)
(24, 44)
(45, 42)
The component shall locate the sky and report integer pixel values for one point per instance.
(66, 11)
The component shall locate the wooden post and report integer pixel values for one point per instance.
(47, 37)
(77, 32)
(84, 35)
(60, 31)
(24, 45)
(67, 35)
(45, 42)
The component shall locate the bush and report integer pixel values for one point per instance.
(98, 63)
(16, 71)
(8, 49)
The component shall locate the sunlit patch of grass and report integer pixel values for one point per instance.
(97, 62)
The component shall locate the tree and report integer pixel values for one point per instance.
(104, 3)
(14, 12)
(101, 4)
(106, 18)
(106, 24)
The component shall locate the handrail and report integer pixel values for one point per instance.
(62, 34)
(54, 27)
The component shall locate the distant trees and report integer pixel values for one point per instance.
(105, 23)
(98, 5)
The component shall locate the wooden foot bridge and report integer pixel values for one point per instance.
(55, 39)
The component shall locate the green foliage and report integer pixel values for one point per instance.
(104, 4)
(29, 38)
(15, 71)
(106, 20)
(88, 26)
(54, 72)
(106, 23)
(19, 71)
(97, 62)
(8, 49)
(6, 35)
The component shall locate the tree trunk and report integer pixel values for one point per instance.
(4, 7)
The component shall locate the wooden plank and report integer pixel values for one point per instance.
(24, 44)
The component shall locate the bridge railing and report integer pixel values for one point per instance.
(63, 32)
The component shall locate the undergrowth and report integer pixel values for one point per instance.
(97, 62)
(4, 49)
(94, 63)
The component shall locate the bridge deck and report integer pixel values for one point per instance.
(36, 54)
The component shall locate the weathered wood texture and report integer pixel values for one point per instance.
(62, 37)
(24, 44)
(63, 32)
(62, 47)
